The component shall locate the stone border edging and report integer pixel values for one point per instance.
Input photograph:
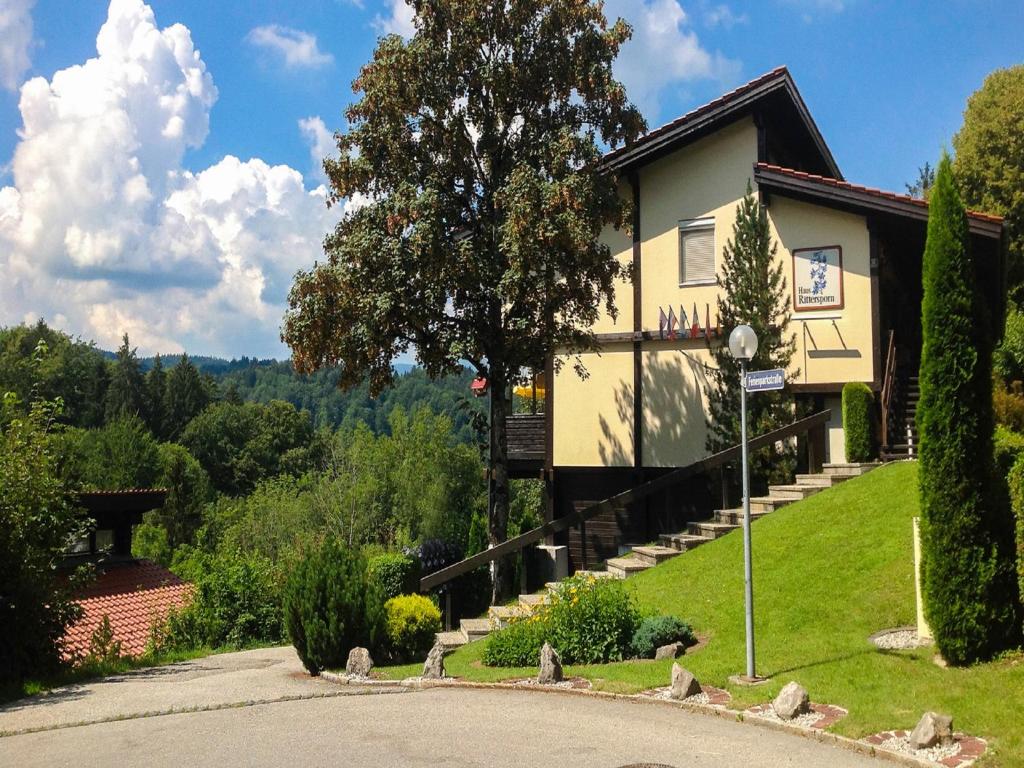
(825, 737)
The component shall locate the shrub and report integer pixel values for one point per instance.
(858, 426)
(1009, 445)
(656, 631)
(412, 623)
(1008, 406)
(967, 537)
(237, 603)
(1016, 481)
(329, 607)
(394, 574)
(588, 621)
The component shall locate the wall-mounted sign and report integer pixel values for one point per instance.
(818, 278)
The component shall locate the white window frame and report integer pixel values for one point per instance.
(688, 226)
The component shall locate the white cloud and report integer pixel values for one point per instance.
(399, 21)
(15, 41)
(664, 51)
(103, 229)
(723, 16)
(321, 143)
(299, 49)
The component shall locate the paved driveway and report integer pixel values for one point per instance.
(351, 726)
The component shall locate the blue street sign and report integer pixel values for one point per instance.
(765, 381)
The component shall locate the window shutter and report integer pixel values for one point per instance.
(698, 248)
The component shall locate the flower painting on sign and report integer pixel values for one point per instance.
(818, 278)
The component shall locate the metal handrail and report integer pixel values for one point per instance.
(888, 385)
(799, 427)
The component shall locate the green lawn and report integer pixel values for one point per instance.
(828, 572)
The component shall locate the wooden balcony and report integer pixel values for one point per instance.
(526, 444)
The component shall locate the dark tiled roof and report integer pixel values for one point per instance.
(879, 193)
(132, 595)
(124, 492)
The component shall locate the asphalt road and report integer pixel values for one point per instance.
(349, 726)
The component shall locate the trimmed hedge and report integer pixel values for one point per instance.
(394, 574)
(967, 535)
(1016, 481)
(412, 623)
(858, 426)
(330, 606)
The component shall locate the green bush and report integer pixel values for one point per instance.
(858, 426)
(1009, 445)
(412, 623)
(237, 604)
(656, 631)
(1008, 406)
(1016, 482)
(588, 621)
(394, 574)
(330, 607)
(967, 534)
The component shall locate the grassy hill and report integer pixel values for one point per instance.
(828, 572)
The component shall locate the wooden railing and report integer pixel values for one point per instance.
(888, 385)
(803, 426)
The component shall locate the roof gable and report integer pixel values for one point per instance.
(772, 98)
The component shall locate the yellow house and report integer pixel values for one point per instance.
(643, 408)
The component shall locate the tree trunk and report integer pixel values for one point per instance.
(497, 524)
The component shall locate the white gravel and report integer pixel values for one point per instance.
(806, 720)
(898, 640)
(697, 698)
(936, 753)
(532, 681)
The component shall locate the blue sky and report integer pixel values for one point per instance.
(886, 82)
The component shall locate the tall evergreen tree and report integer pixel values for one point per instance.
(970, 589)
(156, 395)
(126, 393)
(186, 397)
(753, 292)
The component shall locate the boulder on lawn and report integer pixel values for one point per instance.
(550, 666)
(359, 663)
(433, 667)
(931, 730)
(670, 651)
(684, 684)
(792, 701)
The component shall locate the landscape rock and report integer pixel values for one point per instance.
(550, 666)
(792, 701)
(933, 729)
(670, 651)
(359, 662)
(433, 667)
(684, 684)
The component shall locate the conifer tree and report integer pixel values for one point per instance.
(186, 397)
(752, 292)
(126, 393)
(156, 394)
(970, 590)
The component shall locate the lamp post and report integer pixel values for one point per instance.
(743, 345)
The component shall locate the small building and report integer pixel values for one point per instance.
(131, 593)
(852, 263)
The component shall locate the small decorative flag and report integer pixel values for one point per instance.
(684, 323)
(662, 323)
(672, 320)
(695, 331)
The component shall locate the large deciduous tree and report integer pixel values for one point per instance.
(969, 585)
(989, 160)
(474, 148)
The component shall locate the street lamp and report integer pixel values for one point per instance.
(743, 345)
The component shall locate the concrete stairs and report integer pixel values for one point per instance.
(641, 558)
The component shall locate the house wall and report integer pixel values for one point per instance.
(593, 417)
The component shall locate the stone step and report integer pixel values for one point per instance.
(653, 555)
(851, 470)
(797, 491)
(710, 529)
(768, 503)
(474, 629)
(501, 615)
(821, 481)
(735, 516)
(683, 542)
(595, 574)
(450, 640)
(624, 567)
(530, 602)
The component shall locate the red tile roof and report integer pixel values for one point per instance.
(132, 595)
(825, 180)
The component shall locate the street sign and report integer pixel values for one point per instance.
(765, 381)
